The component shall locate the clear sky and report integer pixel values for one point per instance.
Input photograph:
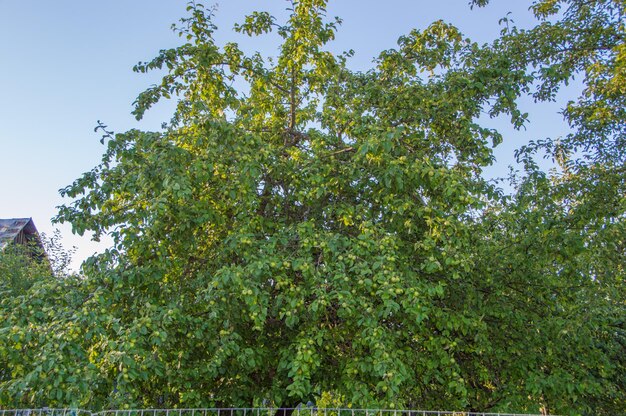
(65, 64)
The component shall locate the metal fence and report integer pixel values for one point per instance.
(257, 411)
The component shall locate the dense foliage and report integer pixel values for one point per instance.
(300, 229)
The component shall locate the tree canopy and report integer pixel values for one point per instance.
(299, 229)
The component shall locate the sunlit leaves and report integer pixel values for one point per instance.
(300, 231)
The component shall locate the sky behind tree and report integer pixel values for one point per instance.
(68, 63)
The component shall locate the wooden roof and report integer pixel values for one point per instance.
(17, 230)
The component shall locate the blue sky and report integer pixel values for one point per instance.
(67, 63)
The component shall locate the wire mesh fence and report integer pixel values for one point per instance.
(257, 411)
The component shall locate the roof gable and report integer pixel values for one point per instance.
(15, 229)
